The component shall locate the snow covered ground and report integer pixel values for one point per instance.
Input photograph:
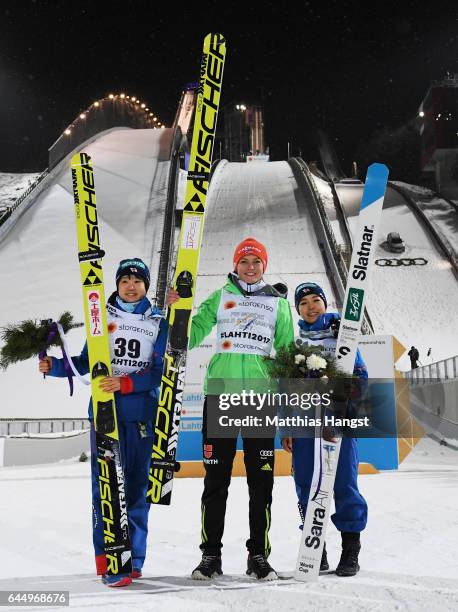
(442, 214)
(408, 556)
(414, 303)
(12, 186)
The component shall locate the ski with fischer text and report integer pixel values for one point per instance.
(163, 459)
(111, 476)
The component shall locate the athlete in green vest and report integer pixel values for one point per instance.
(252, 319)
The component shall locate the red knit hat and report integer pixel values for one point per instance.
(250, 246)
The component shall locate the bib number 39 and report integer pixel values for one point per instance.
(123, 347)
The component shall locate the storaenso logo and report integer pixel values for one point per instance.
(90, 209)
(260, 305)
(360, 269)
(211, 75)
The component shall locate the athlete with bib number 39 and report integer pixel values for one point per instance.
(249, 309)
(138, 334)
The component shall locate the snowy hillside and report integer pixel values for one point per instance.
(131, 175)
(442, 214)
(12, 186)
(399, 300)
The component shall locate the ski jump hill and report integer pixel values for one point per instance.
(134, 174)
(408, 558)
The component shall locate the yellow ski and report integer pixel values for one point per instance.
(111, 476)
(170, 399)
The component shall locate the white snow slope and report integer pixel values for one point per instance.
(441, 213)
(417, 304)
(12, 186)
(42, 278)
(408, 558)
(263, 201)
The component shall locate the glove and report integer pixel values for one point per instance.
(334, 327)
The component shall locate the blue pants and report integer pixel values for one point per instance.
(351, 507)
(135, 454)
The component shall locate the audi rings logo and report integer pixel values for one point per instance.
(404, 261)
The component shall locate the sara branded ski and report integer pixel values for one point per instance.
(319, 503)
(169, 409)
(111, 476)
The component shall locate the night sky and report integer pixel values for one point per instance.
(349, 67)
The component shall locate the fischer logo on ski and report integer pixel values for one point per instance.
(111, 477)
(319, 502)
(163, 459)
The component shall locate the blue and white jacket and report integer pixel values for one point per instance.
(324, 323)
(138, 398)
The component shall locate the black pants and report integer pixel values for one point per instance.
(218, 457)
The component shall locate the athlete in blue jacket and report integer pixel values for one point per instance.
(350, 516)
(138, 335)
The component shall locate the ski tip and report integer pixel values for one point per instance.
(378, 170)
(375, 185)
(81, 159)
(214, 39)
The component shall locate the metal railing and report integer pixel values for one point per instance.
(8, 210)
(17, 427)
(446, 369)
(335, 256)
(445, 247)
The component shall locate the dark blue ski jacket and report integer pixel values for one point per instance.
(324, 322)
(138, 399)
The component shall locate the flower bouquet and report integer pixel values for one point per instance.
(304, 361)
(300, 367)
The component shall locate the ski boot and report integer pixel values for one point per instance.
(348, 564)
(258, 567)
(208, 568)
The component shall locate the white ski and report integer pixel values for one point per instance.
(319, 503)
